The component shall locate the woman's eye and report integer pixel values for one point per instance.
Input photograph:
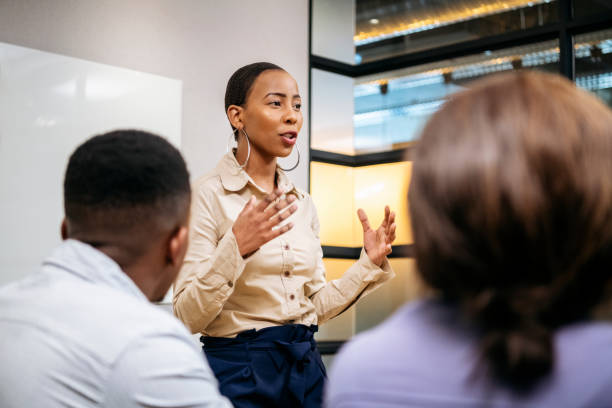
(297, 106)
(275, 103)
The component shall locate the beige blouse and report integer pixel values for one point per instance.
(218, 293)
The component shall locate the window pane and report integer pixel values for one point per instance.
(376, 306)
(331, 112)
(594, 63)
(380, 304)
(583, 8)
(391, 108)
(390, 27)
(359, 31)
(333, 28)
(338, 191)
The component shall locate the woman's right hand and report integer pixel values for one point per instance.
(254, 225)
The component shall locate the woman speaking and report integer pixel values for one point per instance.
(253, 282)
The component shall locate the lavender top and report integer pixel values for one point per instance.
(425, 356)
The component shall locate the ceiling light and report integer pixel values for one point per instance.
(374, 21)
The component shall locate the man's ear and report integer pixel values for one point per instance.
(234, 114)
(64, 229)
(177, 246)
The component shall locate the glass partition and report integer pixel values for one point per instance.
(360, 31)
(391, 108)
(585, 8)
(594, 63)
(389, 28)
(338, 191)
(376, 306)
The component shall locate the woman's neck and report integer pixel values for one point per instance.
(260, 167)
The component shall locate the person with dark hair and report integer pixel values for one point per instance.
(511, 206)
(82, 332)
(253, 282)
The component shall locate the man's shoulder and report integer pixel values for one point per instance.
(87, 316)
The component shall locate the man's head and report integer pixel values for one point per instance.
(127, 194)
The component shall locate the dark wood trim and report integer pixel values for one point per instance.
(329, 347)
(567, 66)
(563, 30)
(339, 252)
(369, 159)
(390, 156)
(323, 156)
(497, 42)
(309, 119)
(330, 65)
(506, 40)
(588, 24)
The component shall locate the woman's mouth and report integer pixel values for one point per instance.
(289, 138)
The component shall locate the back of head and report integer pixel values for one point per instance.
(124, 188)
(511, 205)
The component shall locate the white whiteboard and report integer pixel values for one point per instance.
(49, 104)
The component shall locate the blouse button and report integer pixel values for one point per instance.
(230, 284)
(292, 296)
(286, 247)
(287, 274)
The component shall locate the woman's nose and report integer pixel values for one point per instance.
(290, 116)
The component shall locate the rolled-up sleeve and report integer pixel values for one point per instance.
(333, 297)
(212, 265)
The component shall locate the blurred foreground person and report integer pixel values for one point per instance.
(81, 332)
(511, 205)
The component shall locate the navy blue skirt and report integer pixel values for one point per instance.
(272, 367)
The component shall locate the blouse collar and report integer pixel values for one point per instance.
(235, 178)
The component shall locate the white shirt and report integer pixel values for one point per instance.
(79, 333)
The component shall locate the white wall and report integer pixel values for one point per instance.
(333, 28)
(49, 104)
(200, 42)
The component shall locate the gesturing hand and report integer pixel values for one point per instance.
(377, 243)
(254, 224)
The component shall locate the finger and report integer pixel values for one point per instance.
(386, 218)
(391, 220)
(279, 231)
(269, 199)
(280, 205)
(364, 220)
(391, 234)
(388, 249)
(249, 205)
(282, 215)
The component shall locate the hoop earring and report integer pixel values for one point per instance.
(233, 136)
(296, 164)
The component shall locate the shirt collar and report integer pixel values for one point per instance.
(87, 263)
(235, 178)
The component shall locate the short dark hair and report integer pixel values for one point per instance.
(120, 178)
(241, 82)
(511, 208)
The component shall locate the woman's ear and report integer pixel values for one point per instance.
(234, 114)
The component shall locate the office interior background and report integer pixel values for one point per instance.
(371, 72)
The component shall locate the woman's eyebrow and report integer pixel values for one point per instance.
(282, 95)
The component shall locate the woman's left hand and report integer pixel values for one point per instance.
(377, 243)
